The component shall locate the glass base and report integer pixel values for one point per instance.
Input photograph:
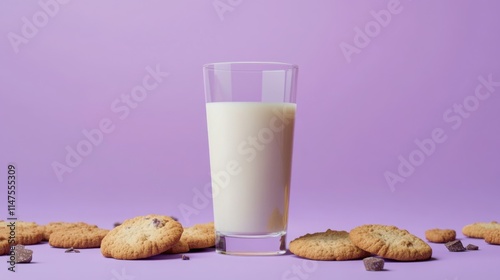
(250, 245)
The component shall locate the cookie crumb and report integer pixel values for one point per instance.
(373, 264)
(472, 247)
(455, 246)
(22, 255)
(185, 258)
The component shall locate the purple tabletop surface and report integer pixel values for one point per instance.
(102, 116)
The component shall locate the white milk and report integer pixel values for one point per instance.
(250, 160)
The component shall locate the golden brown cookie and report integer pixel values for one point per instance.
(180, 247)
(437, 235)
(492, 236)
(331, 245)
(78, 238)
(141, 237)
(390, 242)
(478, 230)
(4, 247)
(25, 233)
(200, 236)
(62, 226)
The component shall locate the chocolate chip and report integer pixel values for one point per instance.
(174, 218)
(72, 250)
(455, 246)
(116, 224)
(373, 264)
(22, 255)
(156, 223)
(185, 258)
(472, 247)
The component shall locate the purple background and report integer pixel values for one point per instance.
(356, 115)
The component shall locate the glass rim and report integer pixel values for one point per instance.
(281, 65)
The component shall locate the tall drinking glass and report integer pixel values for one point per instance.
(250, 117)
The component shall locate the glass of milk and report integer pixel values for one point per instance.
(250, 117)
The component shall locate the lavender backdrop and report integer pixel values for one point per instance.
(375, 78)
